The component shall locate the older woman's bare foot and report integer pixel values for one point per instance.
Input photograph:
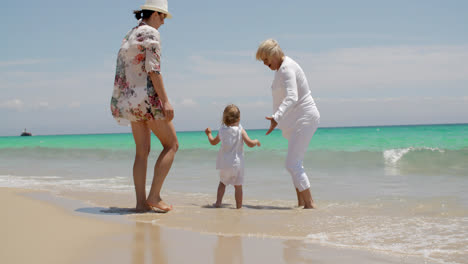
(310, 205)
(159, 206)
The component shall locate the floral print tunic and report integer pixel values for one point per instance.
(134, 97)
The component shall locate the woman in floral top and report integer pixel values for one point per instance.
(140, 100)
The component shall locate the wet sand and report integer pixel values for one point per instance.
(53, 230)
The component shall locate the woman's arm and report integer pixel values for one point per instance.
(249, 142)
(213, 141)
(156, 79)
(289, 83)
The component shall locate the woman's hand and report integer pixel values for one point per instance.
(208, 131)
(273, 124)
(168, 111)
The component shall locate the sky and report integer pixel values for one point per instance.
(368, 63)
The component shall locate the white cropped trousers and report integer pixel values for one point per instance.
(298, 143)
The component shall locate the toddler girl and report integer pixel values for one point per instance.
(230, 160)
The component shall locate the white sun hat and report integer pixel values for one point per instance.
(157, 5)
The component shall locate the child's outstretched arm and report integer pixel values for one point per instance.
(213, 141)
(249, 142)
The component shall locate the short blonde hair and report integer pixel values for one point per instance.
(268, 49)
(231, 115)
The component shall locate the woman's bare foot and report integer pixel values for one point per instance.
(306, 199)
(159, 206)
(142, 208)
(312, 205)
(217, 205)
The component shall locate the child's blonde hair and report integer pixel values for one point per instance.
(231, 115)
(268, 49)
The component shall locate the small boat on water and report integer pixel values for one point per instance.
(26, 133)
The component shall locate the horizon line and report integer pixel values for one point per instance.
(325, 127)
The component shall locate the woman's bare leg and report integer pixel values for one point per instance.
(166, 134)
(141, 135)
(308, 201)
(300, 200)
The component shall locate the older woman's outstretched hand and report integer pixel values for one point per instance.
(273, 124)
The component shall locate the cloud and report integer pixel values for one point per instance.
(215, 67)
(43, 104)
(392, 110)
(14, 104)
(340, 36)
(57, 89)
(24, 62)
(74, 104)
(403, 99)
(353, 86)
(188, 102)
(375, 71)
(381, 67)
(29, 105)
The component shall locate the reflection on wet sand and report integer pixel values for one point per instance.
(293, 252)
(228, 250)
(148, 245)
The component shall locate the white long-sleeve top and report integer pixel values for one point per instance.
(292, 99)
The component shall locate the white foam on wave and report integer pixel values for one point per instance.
(57, 183)
(392, 156)
(437, 239)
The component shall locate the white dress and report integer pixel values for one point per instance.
(230, 159)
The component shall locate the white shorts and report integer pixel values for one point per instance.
(233, 176)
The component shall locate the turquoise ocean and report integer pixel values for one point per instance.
(396, 189)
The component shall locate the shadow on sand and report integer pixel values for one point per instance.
(256, 207)
(113, 211)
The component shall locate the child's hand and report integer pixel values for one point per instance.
(258, 143)
(208, 131)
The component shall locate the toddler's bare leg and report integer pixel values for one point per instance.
(219, 197)
(238, 195)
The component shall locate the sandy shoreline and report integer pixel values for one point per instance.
(37, 232)
(53, 231)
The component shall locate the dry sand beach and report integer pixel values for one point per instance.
(42, 228)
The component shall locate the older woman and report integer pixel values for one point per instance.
(295, 113)
(140, 100)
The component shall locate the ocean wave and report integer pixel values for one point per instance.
(429, 161)
(392, 156)
(58, 183)
(418, 160)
